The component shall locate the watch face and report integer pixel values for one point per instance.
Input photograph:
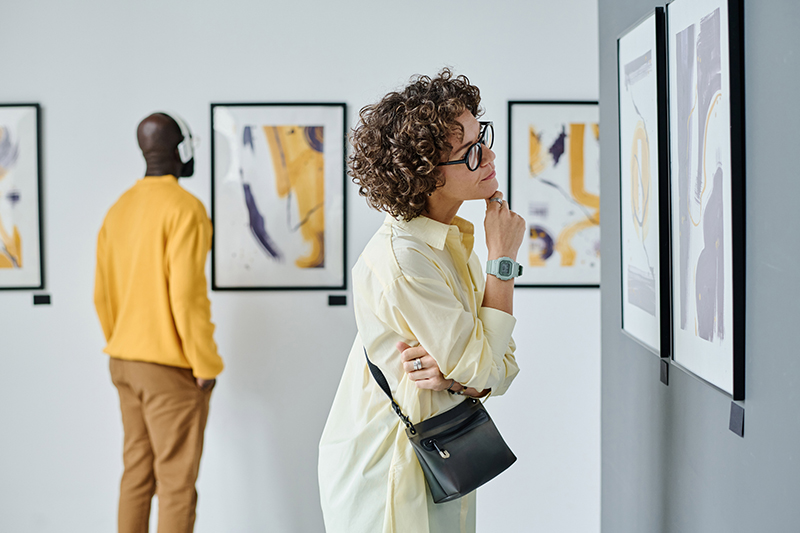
(505, 268)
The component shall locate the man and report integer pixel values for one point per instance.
(151, 298)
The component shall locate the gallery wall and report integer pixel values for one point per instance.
(669, 461)
(97, 68)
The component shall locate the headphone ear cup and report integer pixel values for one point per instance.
(186, 147)
(185, 150)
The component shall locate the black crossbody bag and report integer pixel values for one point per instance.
(458, 450)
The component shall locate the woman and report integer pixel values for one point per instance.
(425, 314)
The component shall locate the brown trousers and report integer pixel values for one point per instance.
(164, 417)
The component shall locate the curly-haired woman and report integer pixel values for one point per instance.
(426, 315)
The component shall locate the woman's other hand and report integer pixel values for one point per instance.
(504, 228)
(427, 375)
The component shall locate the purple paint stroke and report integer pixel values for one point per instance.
(699, 76)
(710, 273)
(258, 225)
(709, 82)
(557, 148)
(247, 138)
(13, 197)
(710, 269)
(542, 242)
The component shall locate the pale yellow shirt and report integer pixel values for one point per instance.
(421, 283)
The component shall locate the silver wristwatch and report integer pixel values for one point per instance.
(503, 268)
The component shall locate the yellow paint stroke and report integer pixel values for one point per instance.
(578, 189)
(537, 159)
(535, 259)
(596, 131)
(705, 177)
(577, 178)
(688, 122)
(300, 169)
(640, 174)
(12, 252)
(563, 246)
(13, 248)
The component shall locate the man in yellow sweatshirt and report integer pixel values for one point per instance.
(151, 298)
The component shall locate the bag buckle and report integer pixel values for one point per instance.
(444, 454)
(404, 418)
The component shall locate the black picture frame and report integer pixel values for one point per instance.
(723, 338)
(649, 71)
(332, 274)
(27, 181)
(541, 244)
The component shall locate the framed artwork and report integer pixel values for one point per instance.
(706, 122)
(644, 182)
(278, 202)
(21, 258)
(554, 155)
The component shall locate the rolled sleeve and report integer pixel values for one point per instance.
(498, 327)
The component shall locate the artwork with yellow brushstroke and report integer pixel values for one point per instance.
(297, 157)
(10, 239)
(640, 253)
(706, 190)
(639, 186)
(557, 192)
(701, 172)
(20, 241)
(278, 183)
(576, 191)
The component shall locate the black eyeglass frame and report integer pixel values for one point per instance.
(484, 126)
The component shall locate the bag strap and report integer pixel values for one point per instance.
(384, 385)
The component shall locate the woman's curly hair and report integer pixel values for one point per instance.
(399, 141)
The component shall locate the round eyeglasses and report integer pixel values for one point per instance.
(473, 156)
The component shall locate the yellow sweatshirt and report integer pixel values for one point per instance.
(150, 284)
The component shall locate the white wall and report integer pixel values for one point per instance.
(97, 67)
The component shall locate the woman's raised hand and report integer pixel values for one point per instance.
(504, 228)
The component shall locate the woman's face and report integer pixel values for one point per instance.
(461, 183)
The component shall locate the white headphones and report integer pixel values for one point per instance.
(186, 147)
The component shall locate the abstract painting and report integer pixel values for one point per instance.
(643, 151)
(554, 155)
(20, 197)
(706, 189)
(278, 201)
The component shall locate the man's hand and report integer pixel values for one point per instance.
(428, 376)
(205, 384)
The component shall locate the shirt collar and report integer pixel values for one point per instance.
(158, 179)
(435, 233)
